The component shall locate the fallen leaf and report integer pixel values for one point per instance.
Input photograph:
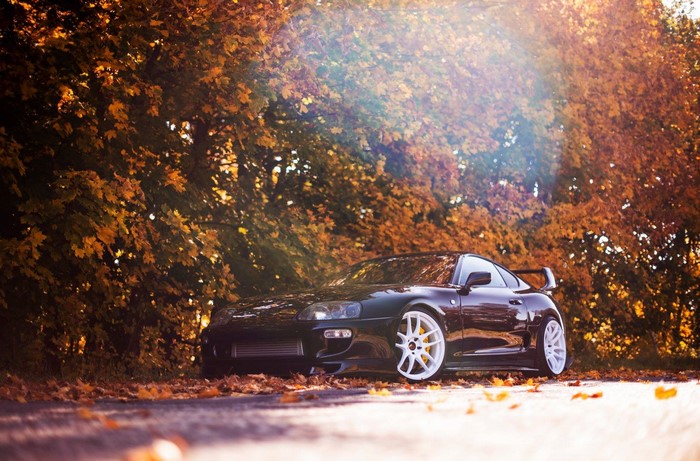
(429, 407)
(584, 396)
(535, 388)
(470, 410)
(382, 392)
(84, 388)
(85, 413)
(109, 423)
(576, 383)
(433, 387)
(514, 406)
(147, 394)
(289, 397)
(663, 394)
(497, 382)
(497, 397)
(208, 393)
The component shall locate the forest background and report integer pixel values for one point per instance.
(160, 158)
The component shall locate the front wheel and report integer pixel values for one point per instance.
(420, 346)
(551, 348)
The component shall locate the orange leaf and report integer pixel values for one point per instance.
(384, 392)
(497, 397)
(584, 396)
(85, 413)
(109, 423)
(535, 388)
(289, 397)
(470, 410)
(147, 394)
(663, 394)
(208, 393)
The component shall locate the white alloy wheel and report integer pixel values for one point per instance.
(554, 347)
(421, 346)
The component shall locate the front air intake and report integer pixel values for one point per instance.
(288, 348)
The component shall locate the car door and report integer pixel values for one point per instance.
(494, 317)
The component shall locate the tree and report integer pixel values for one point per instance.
(161, 158)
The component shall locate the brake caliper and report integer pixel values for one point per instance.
(427, 349)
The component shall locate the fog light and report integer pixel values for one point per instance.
(338, 333)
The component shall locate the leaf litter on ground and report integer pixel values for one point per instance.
(86, 392)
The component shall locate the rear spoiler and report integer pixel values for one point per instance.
(549, 281)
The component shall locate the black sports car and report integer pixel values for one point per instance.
(415, 314)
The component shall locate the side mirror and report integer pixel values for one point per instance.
(475, 279)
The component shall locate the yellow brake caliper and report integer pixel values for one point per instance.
(427, 349)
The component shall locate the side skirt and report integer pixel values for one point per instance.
(475, 367)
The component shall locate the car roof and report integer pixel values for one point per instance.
(419, 254)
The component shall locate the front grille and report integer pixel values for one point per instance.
(286, 348)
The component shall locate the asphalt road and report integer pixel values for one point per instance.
(626, 423)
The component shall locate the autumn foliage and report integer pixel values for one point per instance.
(161, 158)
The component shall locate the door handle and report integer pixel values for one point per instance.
(515, 302)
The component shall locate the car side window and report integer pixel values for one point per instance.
(474, 264)
(511, 280)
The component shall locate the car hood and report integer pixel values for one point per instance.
(287, 306)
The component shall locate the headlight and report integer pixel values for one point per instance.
(331, 310)
(220, 317)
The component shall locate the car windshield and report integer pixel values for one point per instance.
(403, 270)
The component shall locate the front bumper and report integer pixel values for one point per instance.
(299, 347)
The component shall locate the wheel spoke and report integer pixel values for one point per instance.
(403, 359)
(557, 336)
(428, 356)
(411, 363)
(416, 328)
(428, 334)
(422, 364)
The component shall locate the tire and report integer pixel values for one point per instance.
(551, 348)
(420, 346)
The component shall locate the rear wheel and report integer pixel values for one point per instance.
(420, 346)
(551, 348)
